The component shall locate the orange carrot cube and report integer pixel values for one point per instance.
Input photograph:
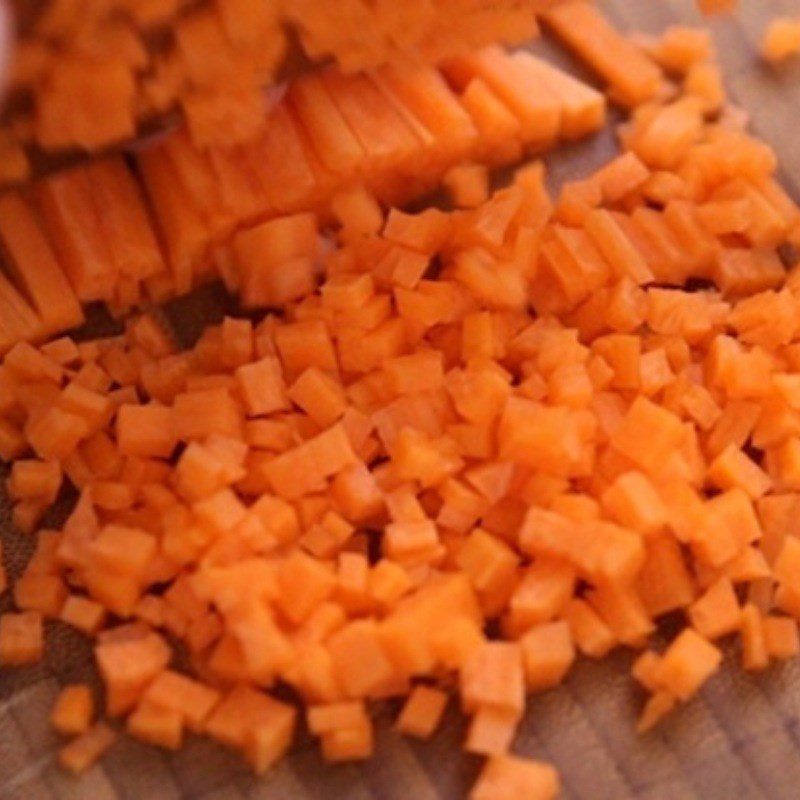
(73, 710)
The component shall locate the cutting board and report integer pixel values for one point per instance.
(739, 739)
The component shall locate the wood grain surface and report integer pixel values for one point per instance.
(740, 739)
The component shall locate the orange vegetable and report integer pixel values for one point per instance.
(687, 663)
(509, 776)
(422, 712)
(21, 638)
(83, 751)
(73, 710)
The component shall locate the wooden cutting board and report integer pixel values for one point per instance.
(740, 739)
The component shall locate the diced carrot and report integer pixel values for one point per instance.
(83, 614)
(21, 638)
(509, 776)
(687, 663)
(422, 712)
(156, 725)
(781, 637)
(73, 710)
(146, 430)
(491, 731)
(547, 652)
(633, 78)
(716, 613)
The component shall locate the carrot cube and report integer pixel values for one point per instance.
(84, 614)
(506, 776)
(786, 568)
(547, 653)
(304, 583)
(359, 659)
(732, 468)
(491, 731)
(73, 710)
(716, 613)
(319, 395)
(781, 637)
(633, 501)
(156, 725)
(422, 712)
(43, 593)
(688, 663)
(21, 638)
(348, 744)
(147, 430)
(494, 676)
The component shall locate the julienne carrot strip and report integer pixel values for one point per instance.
(345, 498)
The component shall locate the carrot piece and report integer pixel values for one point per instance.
(155, 725)
(305, 344)
(389, 143)
(781, 637)
(262, 386)
(491, 731)
(687, 663)
(656, 708)
(73, 710)
(493, 676)
(583, 109)
(547, 652)
(145, 430)
(35, 266)
(781, 39)
(359, 659)
(124, 219)
(84, 614)
(787, 562)
(733, 468)
(21, 638)
(127, 665)
(348, 744)
(509, 776)
(184, 233)
(716, 613)
(498, 127)
(74, 224)
(467, 185)
(83, 751)
(632, 76)
(755, 655)
(422, 712)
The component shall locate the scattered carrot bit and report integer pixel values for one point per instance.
(781, 39)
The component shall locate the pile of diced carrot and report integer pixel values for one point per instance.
(89, 75)
(473, 445)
